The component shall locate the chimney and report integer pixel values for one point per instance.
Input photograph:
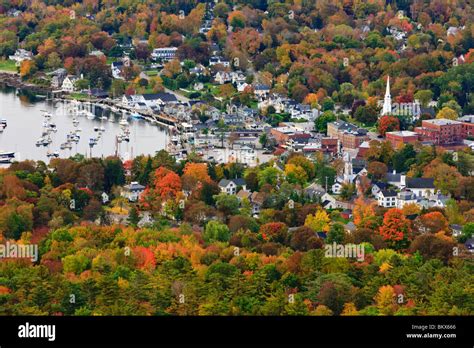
(403, 180)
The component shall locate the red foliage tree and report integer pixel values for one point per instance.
(144, 258)
(274, 231)
(167, 183)
(388, 124)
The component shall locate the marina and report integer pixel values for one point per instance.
(62, 128)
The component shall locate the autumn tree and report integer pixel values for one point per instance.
(396, 228)
(385, 300)
(166, 183)
(363, 211)
(27, 68)
(446, 177)
(388, 124)
(319, 222)
(431, 223)
(274, 232)
(197, 170)
(448, 113)
(304, 239)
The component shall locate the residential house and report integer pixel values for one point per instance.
(164, 53)
(244, 194)
(421, 187)
(377, 186)
(58, 78)
(68, 84)
(230, 186)
(261, 90)
(132, 191)
(214, 60)
(241, 85)
(405, 197)
(21, 55)
(387, 198)
(314, 191)
(257, 199)
(222, 77)
(237, 76)
(117, 68)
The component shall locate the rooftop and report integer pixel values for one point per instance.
(441, 121)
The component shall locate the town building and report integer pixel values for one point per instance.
(349, 135)
(164, 53)
(467, 126)
(387, 101)
(440, 131)
(400, 138)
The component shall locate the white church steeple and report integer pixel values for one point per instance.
(387, 100)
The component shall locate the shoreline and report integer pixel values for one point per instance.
(12, 79)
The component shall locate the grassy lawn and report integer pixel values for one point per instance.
(78, 96)
(110, 60)
(8, 65)
(152, 72)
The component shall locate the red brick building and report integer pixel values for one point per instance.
(467, 126)
(348, 134)
(399, 138)
(441, 131)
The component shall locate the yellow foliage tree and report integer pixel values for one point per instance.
(318, 222)
(411, 209)
(448, 113)
(385, 300)
(349, 309)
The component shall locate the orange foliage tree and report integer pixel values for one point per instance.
(198, 171)
(396, 228)
(363, 211)
(431, 223)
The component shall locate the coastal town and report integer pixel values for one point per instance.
(285, 130)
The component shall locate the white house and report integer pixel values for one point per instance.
(117, 68)
(261, 90)
(421, 187)
(230, 186)
(68, 84)
(387, 198)
(164, 53)
(219, 60)
(377, 187)
(405, 197)
(21, 55)
(133, 191)
(222, 77)
(241, 85)
(237, 76)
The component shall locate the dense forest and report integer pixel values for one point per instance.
(211, 256)
(186, 248)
